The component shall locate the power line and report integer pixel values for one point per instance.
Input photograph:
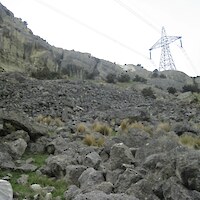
(91, 28)
(136, 14)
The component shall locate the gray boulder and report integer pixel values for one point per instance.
(125, 180)
(120, 154)
(6, 191)
(188, 169)
(56, 166)
(92, 160)
(134, 138)
(17, 147)
(99, 195)
(72, 191)
(6, 161)
(73, 173)
(160, 145)
(21, 121)
(90, 178)
(172, 189)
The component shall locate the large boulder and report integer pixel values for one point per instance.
(92, 160)
(188, 169)
(20, 121)
(17, 147)
(160, 145)
(6, 191)
(99, 195)
(73, 173)
(90, 178)
(120, 154)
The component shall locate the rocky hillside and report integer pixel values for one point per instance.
(20, 50)
(127, 136)
(72, 139)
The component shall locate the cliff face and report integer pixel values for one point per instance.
(20, 50)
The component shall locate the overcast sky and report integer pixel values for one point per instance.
(120, 31)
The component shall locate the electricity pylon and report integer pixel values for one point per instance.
(166, 60)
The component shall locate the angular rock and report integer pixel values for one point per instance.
(72, 191)
(173, 190)
(73, 173)
(90, 178)
(21, 121)
(159, 145)
(6, 161)
(119, 155)
(134, 138)
(105, 187)
(188, 169)
(112, 176)
(124, 181)
(56, 166)
(17, 147)
(99, 195)
(142, 190)
(6, 191)
(92, 160)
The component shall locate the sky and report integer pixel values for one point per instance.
(120, 31)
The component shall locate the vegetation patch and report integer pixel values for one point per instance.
(24, 190)
(102, 128)
(90, 140)
(50, 121)
(190, 141)
(81, 128)
(165, 126)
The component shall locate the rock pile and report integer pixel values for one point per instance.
(133, 163)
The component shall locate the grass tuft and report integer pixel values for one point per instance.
(81, 128)
(102, 128)
(190, 141)
(164, 126)
(90, 140)
(50, 121)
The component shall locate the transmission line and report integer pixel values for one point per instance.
(91, 28)
(136, 14)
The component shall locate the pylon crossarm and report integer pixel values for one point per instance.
(165, 41)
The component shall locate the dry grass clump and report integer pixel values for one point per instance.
(141, 126)
(190, 141)
(90, 140)
(124, 124)
(164, 126)
(102, 128)
(81, 128)
(50, 121)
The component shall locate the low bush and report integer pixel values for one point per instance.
(123, 78)
(148, 92)
(45, 73)
(171, 90)
(190, 141)
(50, 121)
(81, 128)
(90, 140)
(139, 79)
(102, 128)
(190, 88)
(111, 78)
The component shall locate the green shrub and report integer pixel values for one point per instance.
(140, 79)
(123, 78)
(190, 88)
(111, 78)
(45, 73)
(148, 92)
(171, 90)
(102, 128)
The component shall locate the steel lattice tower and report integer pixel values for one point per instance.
(166, 60)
